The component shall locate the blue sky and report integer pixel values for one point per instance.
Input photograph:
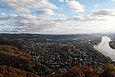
(57, 16)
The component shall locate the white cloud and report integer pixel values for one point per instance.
(7, 30)
(46, 12)
(75, 6)
(90, 17)
(96, 6)
(3, 14)
(28, 23)
(97, 15)
(24, 6)
(61, 0)
(98, 21)
(104, 12)
(112, 0)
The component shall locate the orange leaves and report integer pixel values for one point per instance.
(78, 71)
(86, 69)
(13, 72)
(15, 61)
(9, 49)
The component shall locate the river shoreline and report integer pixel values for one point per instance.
(105, 49)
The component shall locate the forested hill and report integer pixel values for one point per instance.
(30, 36)
(47, 36)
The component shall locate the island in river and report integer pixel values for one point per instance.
(112, 44)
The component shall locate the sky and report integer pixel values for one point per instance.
(57, 16)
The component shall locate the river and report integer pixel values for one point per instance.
(105, 49)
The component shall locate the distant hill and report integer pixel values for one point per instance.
(52, 37)
(31, 36)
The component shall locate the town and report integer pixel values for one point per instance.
(60, 56)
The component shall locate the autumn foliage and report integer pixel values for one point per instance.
(13, 72)
(9, 49)
(84, 71)
(16, 61)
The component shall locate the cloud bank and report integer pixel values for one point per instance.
(43, 16)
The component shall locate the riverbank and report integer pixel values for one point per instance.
(105, 49)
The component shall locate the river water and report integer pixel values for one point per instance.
(105, 49)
